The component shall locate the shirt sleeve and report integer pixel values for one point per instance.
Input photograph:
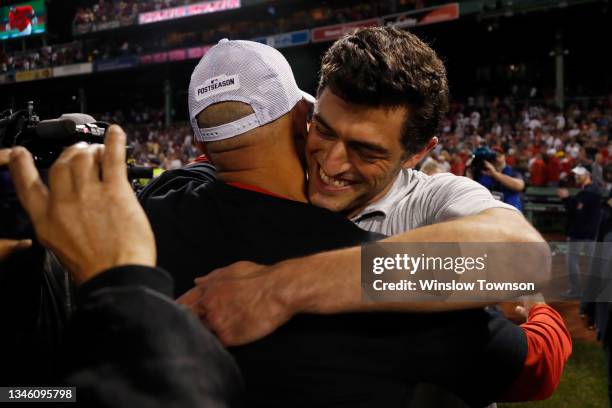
(549, 345)
(449, 196)
(129, 344)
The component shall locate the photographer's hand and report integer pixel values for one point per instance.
(8, 246)
(89, 215)
(489, 169)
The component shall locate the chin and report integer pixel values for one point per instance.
(324, 202)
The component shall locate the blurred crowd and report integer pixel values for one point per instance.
(304, 18)
(541, 144)
(167, 148)
(107, 10)
(153, 143)
(104, 11)
(45, 57)
(64, 54)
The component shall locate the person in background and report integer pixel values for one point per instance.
(431, 167)
(583, 216)
(596, 314)
(499, 176)
(597, 169)
(553, 168)
(457, 165)
(537, 171)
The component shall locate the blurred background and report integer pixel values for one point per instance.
(531, 89)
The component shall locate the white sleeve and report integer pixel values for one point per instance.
(447, 196)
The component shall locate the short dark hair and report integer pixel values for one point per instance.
(388, 67)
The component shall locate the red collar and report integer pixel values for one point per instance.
(256, 189)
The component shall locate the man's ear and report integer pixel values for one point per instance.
(299, 117)
(412, 160)
(202, 147)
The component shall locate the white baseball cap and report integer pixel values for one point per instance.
(242, 71)
(580, 171)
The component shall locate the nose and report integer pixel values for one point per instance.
(336, 160)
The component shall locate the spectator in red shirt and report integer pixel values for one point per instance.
(457, 165)
(553, 168)
(538, 171)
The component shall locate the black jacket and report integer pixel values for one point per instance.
(583, 213)
(358, 360)
(130, 345)
(127, 343)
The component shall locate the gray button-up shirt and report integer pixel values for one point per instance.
(416, 200)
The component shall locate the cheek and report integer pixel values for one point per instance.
(316, 146)
(378, 174)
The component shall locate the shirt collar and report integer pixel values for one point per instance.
(388, 201)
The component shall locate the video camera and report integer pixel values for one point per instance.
(45, 139)
(479, 156)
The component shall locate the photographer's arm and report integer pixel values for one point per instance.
(511, 183)
(116, 348)
(8, 246)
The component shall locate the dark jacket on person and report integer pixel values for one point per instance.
(121, 340)
(584, 213)
(599, 279)
(357, 360)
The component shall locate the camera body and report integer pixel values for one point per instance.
(479, 156)
(46, 140)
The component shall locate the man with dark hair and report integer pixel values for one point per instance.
(400, 105)
(369, 68)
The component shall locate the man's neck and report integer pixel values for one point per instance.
(280, 180)
(356, 211)
(271, 164)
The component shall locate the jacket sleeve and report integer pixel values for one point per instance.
(549, 345)
(130, 345)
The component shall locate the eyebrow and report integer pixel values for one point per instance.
(317, 116)
(359, 144)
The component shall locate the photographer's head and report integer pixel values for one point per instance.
(500, 157)
(247, 111)
(381, 97)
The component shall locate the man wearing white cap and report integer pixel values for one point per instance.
(247, 113)
(583, 217)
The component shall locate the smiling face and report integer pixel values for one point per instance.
(381, 96)
(353, 153)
